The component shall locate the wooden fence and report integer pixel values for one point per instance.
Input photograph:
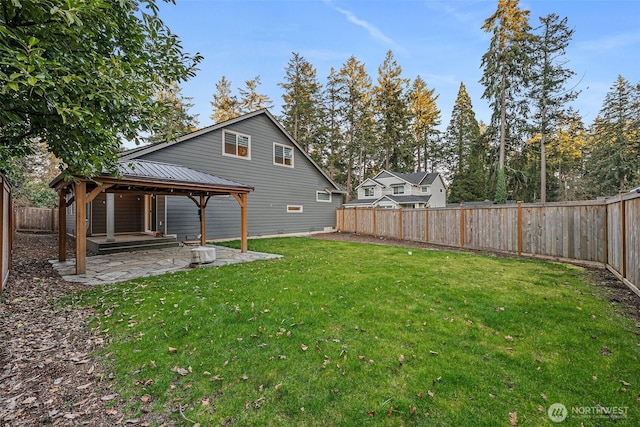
(36, 219)
(6, 230)
(604, 232)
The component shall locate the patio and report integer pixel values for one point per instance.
(122, 266)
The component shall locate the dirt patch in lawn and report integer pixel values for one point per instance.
(49, 374)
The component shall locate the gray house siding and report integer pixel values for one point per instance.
(275, 186)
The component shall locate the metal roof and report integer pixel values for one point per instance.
(144, 169)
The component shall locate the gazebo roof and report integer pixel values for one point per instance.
(161, 178)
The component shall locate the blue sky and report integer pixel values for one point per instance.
(439, 40)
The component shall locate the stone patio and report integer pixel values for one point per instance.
(122, 266)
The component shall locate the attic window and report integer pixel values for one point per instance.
(236, 145)
(282, 155)
(369, 192)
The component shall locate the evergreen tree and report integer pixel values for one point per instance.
(177, 121)
(425, 117)
(392, 117)
(302, 111)
(505, 76)
(549, 78)
(566, 155)
(333, 123)
(225, 105)
(466, 152)
(614, 163)
(353, 89)
(250, 99)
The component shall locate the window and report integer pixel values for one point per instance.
(323, 196)
(398, 189)
(236, 145)
(426, 189)
(282, 155)
(369, 192)
(294, 208)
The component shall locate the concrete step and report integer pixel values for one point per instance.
(134, 246)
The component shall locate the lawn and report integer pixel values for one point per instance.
(346, 334)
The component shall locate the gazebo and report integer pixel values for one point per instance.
(141, 177)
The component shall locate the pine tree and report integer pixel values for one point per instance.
(353, 89)
(302, 111)
(566, 155)
(332, 99)
(505, 75)
(549, 78)
(391, 110)
(225, 105)
(466, 152)
(425, 117)
(176, 121)
(250, 99)
(614, 163)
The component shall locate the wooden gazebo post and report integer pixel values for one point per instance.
(81, 226)
(242, 201)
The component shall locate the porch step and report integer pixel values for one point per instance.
(104, 248)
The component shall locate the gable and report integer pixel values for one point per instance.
(261, 134)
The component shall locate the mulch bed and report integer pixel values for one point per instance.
(49, 371)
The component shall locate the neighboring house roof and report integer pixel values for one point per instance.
(417, 178)
(401, 200)
(139, 151)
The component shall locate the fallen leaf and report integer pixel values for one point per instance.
(513, 418)
(145, 398)
(153, 364)
(206, 401)
(173, 350)
(108, 397)
(371, 413)
(401, 358)
(278, 386)
(605, 351)
(508, 338)
(412, 410)
(303, 347)
(430, 393)
(624, 383)
(245, 377)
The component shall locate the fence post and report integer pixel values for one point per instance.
(355, 220)
(375, 223)
(400, 230)
(606, 233)
(623, 238)
(519, 228)
(461, 226)
(426, 225)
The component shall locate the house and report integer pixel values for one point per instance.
(401, 190)
(290, 193)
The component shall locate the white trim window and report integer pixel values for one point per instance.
(426, 189)
(369, 191)
(323, 196)
(282, 155)
(294, 208)
(236, 145)
(398, 189)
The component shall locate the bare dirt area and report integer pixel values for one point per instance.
(615, 291)
(49, 371)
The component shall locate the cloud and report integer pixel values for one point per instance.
(373, 31)
(606, 44)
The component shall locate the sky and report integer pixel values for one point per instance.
(439, 40)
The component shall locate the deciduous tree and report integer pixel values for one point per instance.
(82, 76)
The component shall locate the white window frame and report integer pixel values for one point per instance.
(370, 189)
(324, 193)
(396, 187)
(294, 209)
(237, 134)
(426, 189)
(284, 148)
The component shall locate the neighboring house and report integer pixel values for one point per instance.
(292, 195)
(401, 190)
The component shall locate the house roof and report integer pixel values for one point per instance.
(417, 178)
(401, 200)
(139, 151)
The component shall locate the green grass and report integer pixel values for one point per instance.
(315, 338)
